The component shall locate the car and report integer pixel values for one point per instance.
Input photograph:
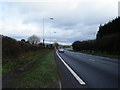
(61, 50)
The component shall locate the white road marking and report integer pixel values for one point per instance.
(60, 84)
(107, 58)
(72, 72)
(92, 59)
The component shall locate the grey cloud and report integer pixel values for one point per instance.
(80, 22)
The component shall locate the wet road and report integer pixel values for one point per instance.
(92, 71)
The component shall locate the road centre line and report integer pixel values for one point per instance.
(92, 59)
(72, 72)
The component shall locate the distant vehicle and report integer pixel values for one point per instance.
(61, 50)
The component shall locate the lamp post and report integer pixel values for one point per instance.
(54, 34)
(43, 31)
(51, 18)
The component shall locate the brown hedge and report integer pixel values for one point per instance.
(13, 48)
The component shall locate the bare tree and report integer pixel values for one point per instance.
(56, 45)
(33, 39)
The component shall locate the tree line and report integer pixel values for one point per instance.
(13, 48)
(107, 39)
(109, 28)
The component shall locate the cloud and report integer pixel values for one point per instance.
(73, 19)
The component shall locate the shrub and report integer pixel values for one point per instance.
(12, 48)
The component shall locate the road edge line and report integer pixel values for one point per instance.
(60, 86)
(72, 72)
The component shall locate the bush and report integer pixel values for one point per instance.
(76, 45)
(107, 44)
(12, 48)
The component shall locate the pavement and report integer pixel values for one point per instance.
(78, 70)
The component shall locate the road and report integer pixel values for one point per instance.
(78, 70)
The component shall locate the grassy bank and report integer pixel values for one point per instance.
(98, 54)
(42, 74)
(11, 63)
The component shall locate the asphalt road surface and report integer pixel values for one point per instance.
(78, 70)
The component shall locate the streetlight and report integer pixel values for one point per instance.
(43, 28)
(43, 31)
(51, 18)
(54, 37)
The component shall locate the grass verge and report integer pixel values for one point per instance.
(42, 74)
(12, 63)
(98, 54)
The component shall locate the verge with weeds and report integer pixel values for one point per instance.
(42, 74)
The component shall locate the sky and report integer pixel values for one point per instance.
(73, 20)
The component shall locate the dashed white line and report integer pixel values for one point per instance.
(92, 59)
(72, 72)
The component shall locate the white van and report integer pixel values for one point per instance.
(61, 50)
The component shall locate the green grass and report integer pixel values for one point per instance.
(42, 74)
(98, 54)
(11, 63)
(0, 70)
